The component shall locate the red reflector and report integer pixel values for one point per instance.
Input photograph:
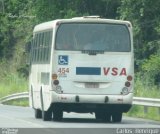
(129, 78)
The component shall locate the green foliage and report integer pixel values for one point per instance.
(145, 88)
(151, 67)
(144, 15)
(12, 83)
(138, 111)
(16, 26)
(20, 16)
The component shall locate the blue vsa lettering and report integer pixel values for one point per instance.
(63, 60)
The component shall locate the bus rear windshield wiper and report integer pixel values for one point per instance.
(93, 52)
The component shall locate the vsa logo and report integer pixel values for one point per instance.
(114, 71)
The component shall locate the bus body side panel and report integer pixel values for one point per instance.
(40, 80)
(41, 71)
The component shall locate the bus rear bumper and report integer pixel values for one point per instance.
(92, 103)
(98, 99)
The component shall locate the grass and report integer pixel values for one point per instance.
(145, 89)
(138, 111)
(12, 83)
(149, 91)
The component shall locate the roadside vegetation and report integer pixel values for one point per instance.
(12, 83)
(143, 89)
(18, 17)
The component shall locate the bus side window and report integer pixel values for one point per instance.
(46, 46)
(49, 46)
(35, 47)
(32, 50)
(41, 48)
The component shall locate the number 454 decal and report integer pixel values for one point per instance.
(62, 72)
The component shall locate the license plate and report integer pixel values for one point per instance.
(91, 85)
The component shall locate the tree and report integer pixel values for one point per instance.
(145, 17)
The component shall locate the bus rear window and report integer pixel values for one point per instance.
(93, 36)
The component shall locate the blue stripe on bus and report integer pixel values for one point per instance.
(88, 71)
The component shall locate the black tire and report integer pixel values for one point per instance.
(103, 116)
(116, 117)
(38, 114)
(108, 117)
(98, 115)
(57, 114)
(47, 115)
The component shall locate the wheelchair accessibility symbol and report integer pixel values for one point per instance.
(63, 60)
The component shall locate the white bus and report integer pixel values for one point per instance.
(84, 65)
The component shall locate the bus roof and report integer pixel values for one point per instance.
(93, 19)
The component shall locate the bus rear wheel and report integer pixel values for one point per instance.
(46, 115)
(104, 116)
(117, 117)
(57, 114)
(38, 113)
(98, 115)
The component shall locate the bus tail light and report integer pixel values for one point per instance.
(54, 76)
(56, 87)
(128, 82)
(129, 78)
(127, 85)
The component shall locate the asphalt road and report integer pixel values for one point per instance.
(17, 120)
